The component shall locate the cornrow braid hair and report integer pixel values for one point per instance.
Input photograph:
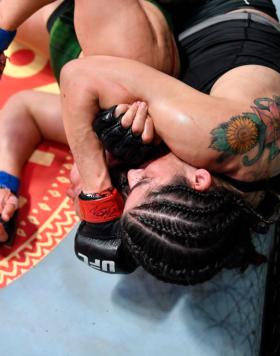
(184, 236)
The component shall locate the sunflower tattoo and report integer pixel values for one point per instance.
(259, 128)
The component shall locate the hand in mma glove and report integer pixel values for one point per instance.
(98, 240)
(120, 141)
(100, 246)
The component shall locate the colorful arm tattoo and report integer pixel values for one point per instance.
(259, 128)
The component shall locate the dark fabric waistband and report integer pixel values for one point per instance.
(209, 53)
(260, 185)
(204, 9)
(228, 17)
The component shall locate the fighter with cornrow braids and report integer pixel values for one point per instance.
(96, 31)
(179, 237)
(223, 118)
(220, 126)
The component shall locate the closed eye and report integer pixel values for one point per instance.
(141, 183)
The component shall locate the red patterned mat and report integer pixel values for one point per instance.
(46, 215)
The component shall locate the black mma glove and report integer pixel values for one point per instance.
(100, 247)
(120, 141)
(98, 240)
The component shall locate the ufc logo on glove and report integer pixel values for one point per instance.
(105, 266)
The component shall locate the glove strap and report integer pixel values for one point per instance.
(103, 209)
(6, 38)
(9, 181)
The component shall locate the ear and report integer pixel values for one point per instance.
(202, 180)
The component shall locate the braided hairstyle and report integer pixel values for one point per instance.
(184, 236)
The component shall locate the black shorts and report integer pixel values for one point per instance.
(212, 51)
(202, 10)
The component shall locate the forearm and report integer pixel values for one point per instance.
(14, 12)
(78, 110)
(224, 133)
(183, 117)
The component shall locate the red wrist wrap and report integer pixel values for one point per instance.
(102, 210)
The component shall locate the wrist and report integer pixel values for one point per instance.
(95, 196)
(94, 172)
(97, 186)
(101, 207)
(9, 181)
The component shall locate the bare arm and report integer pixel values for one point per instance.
(182, 116)
(14, 13)
(188, 121)
(78, 110)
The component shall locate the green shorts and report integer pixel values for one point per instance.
(64, 45)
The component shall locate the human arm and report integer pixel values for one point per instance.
(184, 118)
(127, 133)
(14, 13)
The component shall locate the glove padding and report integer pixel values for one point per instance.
(120, 141)
(100, 247)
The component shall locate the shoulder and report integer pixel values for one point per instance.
(249, 141)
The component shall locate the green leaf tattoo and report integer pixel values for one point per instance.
(242, 133)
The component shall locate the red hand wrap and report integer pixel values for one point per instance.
(102, 210)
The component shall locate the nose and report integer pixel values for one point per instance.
(134, 176)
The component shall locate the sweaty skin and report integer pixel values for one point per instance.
(183, 117)
(139, 28)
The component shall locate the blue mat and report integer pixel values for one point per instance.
(63, 307)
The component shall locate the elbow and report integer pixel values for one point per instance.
(74, 81)
(79, 91)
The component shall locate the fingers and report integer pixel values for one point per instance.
(140, 119)
(130, 115)
(148, 131)
(10, 207)
(136, 116)
(121, 109)
(4, 196)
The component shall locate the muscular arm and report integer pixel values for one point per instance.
(14, 13)
(79, 106)
(182, 116)
(192, 124)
